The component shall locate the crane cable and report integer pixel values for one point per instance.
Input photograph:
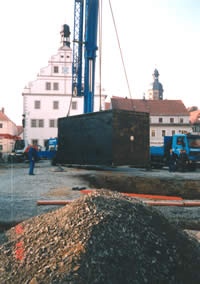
(100, 52)
(120, 49)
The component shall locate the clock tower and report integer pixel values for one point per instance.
(155, 91)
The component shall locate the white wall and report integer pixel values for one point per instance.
(36, 91)
(11, 129)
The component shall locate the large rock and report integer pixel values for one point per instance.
(103, 237)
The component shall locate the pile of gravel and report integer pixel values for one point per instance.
(102, 237)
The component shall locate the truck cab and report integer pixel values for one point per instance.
(189, 143)
(178, 142)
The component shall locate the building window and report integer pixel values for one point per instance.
(55, 86)
(33, 123)
(74, 105)
(55, 104)
(171, 120)
(37, 104)
(173, 132)
(53, 123)
(34, 141)
(37, 123)
(1, 147)
(181, 120)
(55, 69)
(41, 123)
(163, 133)
(160, 120)
(1, 125)
(153, 133)
(48, 86)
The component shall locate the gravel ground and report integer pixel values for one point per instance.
(102, 237)
(19, 192)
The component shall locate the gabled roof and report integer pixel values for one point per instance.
(20, 129)
(154, 107)
(195, 116)
(3, 117)
(107, 106)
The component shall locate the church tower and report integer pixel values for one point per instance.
(155, 91)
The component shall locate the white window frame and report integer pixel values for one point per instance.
(37, 104)
(56, 69)
(163, 132)
(40, 123)
(55, 104)
(74, 105)
(153, 133)
(48, 86)
(33, 123)
(55, 86)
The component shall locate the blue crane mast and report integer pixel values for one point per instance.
(90, 48)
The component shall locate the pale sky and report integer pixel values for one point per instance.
(162, 34)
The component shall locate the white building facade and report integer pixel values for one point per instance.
(49, 97)
(167, 125)
(167, 117)
(8, 134)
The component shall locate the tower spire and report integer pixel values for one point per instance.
(156, 89)
(65, 35)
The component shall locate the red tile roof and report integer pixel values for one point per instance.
(3, 117)
(20, 129)
(195, 116)
(107, 106)
(162, 107)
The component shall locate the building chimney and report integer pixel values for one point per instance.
(2, 110)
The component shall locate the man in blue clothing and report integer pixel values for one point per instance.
(32, 154)
(172, 162)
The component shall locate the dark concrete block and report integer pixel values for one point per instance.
(113, 137)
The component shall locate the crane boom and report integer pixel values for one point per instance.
(77, 48)
(91, 24)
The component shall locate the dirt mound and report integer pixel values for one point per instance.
(102, 237)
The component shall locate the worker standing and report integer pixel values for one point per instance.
(32, 154)
(183, 160)
(172, 161)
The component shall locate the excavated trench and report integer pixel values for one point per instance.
(186, 218)
(185, 188)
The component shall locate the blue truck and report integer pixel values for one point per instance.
(176, 144)
(50, 151)
(21, 148)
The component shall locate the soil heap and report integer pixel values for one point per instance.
(102, 237)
